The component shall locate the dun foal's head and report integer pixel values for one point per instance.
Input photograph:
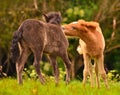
(71, 29)
(81, 26)
(53, 18)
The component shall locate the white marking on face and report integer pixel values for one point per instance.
(74, 22)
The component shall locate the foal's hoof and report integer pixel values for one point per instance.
(67, 82)
(107, 87)
(42, 82)
(84, 86)
(20, 82)
(56, 84)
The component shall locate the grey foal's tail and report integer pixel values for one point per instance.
(15, 52)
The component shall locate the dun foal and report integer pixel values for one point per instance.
(92, 45)
(37, 37)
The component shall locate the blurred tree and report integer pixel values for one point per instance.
(35, 4)
(109, 17)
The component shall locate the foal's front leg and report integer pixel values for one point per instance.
(91, 74)
(87, 69)
(37, 58)
(55, 68)
(67, 65)
(101, 68)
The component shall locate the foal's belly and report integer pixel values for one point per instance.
(92, 50)
(51, 49)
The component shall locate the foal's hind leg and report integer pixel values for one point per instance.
(20, 64)
(37, 59)
(97, 74)
(55, 67)
(67, 65)
(91, 74)
(102, 70)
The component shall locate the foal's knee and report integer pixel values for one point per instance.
(85, 73)
(68, 65)
(103, 75)
(35, 65)
(19, 68)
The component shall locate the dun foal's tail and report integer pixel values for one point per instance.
(15, 52)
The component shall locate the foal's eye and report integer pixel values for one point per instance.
(73, 27)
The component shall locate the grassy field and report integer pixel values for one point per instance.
(9, 86)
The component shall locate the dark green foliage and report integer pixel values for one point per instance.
(114, 75)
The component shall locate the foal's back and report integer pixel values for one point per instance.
(43, 36)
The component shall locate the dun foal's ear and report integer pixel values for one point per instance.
(91, 24)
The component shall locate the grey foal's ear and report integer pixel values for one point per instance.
(59, 13)
(45, 17)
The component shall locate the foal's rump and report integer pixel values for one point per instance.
(32, 32)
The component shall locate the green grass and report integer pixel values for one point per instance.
(9, 86)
